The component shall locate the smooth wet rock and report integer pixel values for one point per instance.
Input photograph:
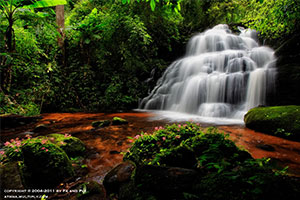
(265, 147)
(10, 176)
(156, 182)
(114, 152)
(166, 180)
(118, 176)
(40, 128)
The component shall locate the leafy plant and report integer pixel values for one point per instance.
(216, 161)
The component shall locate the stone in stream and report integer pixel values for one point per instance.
(100, 123)
(119, 121)
(265, 147)
(40, 128)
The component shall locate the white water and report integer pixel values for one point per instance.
(221, 77)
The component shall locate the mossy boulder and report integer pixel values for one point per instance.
(119, 121)
(282, 121)
(45, 164)
(71, 145)
(100, 123)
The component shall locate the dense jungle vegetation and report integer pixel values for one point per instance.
(111, 52)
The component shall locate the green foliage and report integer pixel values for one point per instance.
(174, 4)
(26, 108)
(111, 48)
(42, 162)
(282, 121)
(12, 151)
(113, 52)
(186, 146)
(222, 170)
(273, 19)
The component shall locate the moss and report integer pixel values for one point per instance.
(119, 121)
(71, 145)
(282, 121)
(100, 123)
(45, 165)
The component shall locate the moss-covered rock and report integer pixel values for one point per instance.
(282, 121)
(119, 121)
(100, 123)
(45, 164)
(71, 145)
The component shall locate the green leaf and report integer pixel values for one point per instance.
(47, 3)
(152, 5)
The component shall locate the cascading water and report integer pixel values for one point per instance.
(222, 76)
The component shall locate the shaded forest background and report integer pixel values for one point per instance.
(114, 51)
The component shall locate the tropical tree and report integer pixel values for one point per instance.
(174, 4)
(8, 10)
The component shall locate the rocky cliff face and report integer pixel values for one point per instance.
(288, 79)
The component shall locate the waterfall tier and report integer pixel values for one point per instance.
(221, 75)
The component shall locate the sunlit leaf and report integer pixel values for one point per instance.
(47, 3)
(152, 5)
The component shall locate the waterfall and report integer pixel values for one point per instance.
(222, 75)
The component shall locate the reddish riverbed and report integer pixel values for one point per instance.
(106, 144)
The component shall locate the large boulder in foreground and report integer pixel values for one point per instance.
(119, 175)
(45, 165)
(282, 121)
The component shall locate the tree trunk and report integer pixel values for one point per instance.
(10, 46)
(60, 20)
